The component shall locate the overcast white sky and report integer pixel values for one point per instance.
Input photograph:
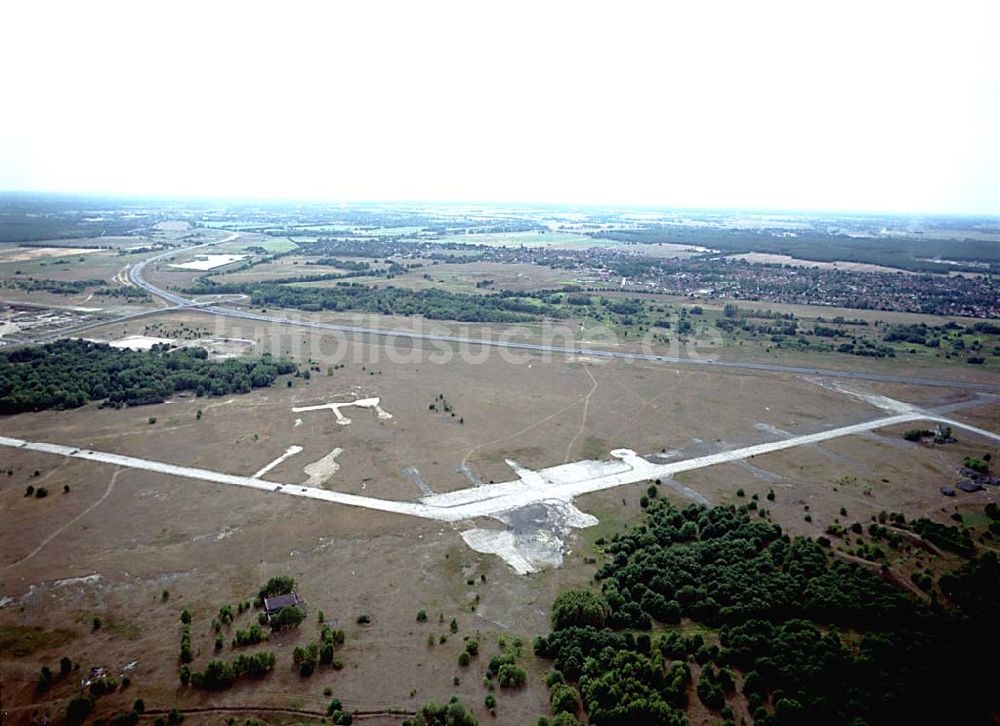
(783, 105)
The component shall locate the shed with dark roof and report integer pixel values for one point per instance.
(274, 605)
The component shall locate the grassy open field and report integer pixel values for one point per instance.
(119, 538)
(463, 277)
(270, 244)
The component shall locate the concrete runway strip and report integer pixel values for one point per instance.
(562, 483)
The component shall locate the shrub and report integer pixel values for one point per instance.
(78, 709)
(217, 676)
(226, 616)
(463, 659)
(45, 679)
(421, 616)
(279, 585)
(512, 676)
(579, 608)
(363, 619)
(453, 714)
(185, 616)
(553, 678)
(977, 465)
(289, 617)
(563, 698)
(41, 492)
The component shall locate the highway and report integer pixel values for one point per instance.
(135, 275)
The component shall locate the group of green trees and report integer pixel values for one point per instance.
(321, 652)
(220, 675)
(133, 294)
(57, 287)
(73, 287)
(452, 713)
(70, 373)
(277, 585)
(434, 303)
(903, 253)
(814, 639)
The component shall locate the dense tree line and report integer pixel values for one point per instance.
(907, 254)
(814, 639)
(434, 304)
(732, 568)
(123, 291)
(56, 287)
(70, 373)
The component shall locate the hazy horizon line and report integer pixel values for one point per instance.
(320, 200)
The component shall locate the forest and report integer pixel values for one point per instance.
(70, 373)
(917, 255)
(56, 287)
(805, 637)
(434, 304)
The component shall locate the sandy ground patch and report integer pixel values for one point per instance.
(322, 469)
(173, 226)
(222, 348)
(208, 262)
(669, 249)
(139, 342)
(773, 259)
(23, 254)
(15, 318)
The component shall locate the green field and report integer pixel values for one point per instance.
(532, 239)
(271, 244)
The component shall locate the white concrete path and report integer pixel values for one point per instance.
(559, 483)
(289, 452)
(374, 403)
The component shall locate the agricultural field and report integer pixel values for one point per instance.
(483, 278)
(558, 240)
